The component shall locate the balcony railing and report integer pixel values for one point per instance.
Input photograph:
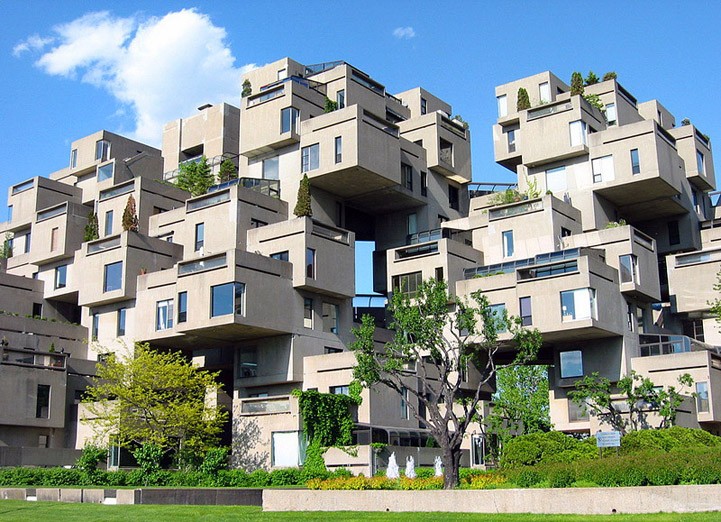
(269, 187)
(515, 210)
(511, 266)
(547, 110)
(266, 405)
(415, 251)
(119, 190)
(22, 187)
(310, 84)
(662, 344)
(103, 244)
(320, 67)
(327, 232)
(52, 212)
(36, 359)
(427, 235)
(476, 190)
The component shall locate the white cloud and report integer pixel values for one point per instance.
(161, 68)
(404, 33)
(31, 43)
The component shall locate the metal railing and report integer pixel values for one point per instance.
(476, 190)
(511, 266)
(28, 358)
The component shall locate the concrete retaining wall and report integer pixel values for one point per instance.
(584, 501)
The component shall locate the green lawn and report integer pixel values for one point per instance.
(18, 510)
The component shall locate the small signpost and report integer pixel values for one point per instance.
(608, 439)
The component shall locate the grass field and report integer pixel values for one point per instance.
(19, 510)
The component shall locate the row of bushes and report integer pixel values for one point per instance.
(544, 448)
(58, 477)
(470, 479)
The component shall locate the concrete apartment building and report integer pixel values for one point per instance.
(238, 283)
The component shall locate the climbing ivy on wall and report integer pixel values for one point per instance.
(327, 417)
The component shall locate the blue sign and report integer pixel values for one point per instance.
(608, 439)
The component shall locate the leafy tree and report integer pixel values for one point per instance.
(247, 89)
(438, 337)
(303, 206)
(597, 395)
(227, 171)
(523, 102)
(196, 178)
(610, 75)
(520, 404)
(6, 251)
(130, 215)
(685, 122)
(92, 230)
(330, 105)
(576, 84)
(594, 100)
(156, 399)
(460, 120)
(591, 79)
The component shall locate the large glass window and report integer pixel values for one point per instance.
(164, 315)
(308, 312)
(339, 390)
(603, 169)
(105, 172)
(507, 238)
(248, 362)
(702, 404)
(281, 256)
(556, 180)
(571, 364)
(289, 120)
(310, 158)
(54, 238)
(578, 304)
(424, 106)
(511, 135)
(412, 223)
(525, 307)
(635, 163)
(699, 162)
(102, 150)
(498, 312)
(611, 117)
(199, 236)
(674, 234)
(73, 158)
(424, 184)
(330, 317)
(407, 176)
(113, 277)
(453, 197)
(628, 268)
(338, 149)
(95, 328)
(42, 402)
(121, 322)
(404, 403)
(226, 299)
(109, 223)
(407, 283)
(270, 168)
(340, 98)
(445, 151)
(578, 131)
(182, 307)
(544, 92)
(310, 269)
(286, 449)
(502, 106)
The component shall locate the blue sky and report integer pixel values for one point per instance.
(71, 68)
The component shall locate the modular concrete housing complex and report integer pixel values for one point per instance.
(243, 287)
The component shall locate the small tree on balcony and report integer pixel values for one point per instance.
(92, 231)
(130, 216)
(303, 206)
(591, 79)
(576, 83)
(330, 105)
(6, 251)
(247, 89)
(196, 178)
(610, 75)
(227, 171)
(523, 101)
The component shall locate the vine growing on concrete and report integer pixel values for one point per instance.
(327, 417)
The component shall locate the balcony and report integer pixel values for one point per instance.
(58, 232)
(45, 360)
(695, 150)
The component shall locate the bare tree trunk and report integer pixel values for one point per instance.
(451, 465)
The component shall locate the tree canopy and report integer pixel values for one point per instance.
(303, 205)
(194, 177)
(149, 397)
(130, 215)
(442, 357)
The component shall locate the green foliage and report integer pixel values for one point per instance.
(227, 171)
(594, 393)
(553, 446)
(576, 84)
(314, 465)
(685, 122)
(715, 304)
(90, 458)
(327, 417)
(6, 251)
(148, 457)
(247, 89)
(460, 120)
(91, 228)
(215, 459)
(154, 398)
(505, 197)
(330, 105)
(594, 100)
(591, 79)
(195, 178)
(616, 224)
(303, 205)
(130, 216)
(610, 75)
(532, 191)
(523, 102)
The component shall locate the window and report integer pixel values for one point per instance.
(578, 304)
(95, 329)
(635, 165)
(331, 349)
(309, 158)
(340, 98)
(307, 313)
(42, 402)
(182, 307)
(628, 268)
(289, 120)
(556, 180)
(26, 247)
(525, 307)
(285, 452)
(164, 315)
(674, 236)
(411, 223)
(226, 299)
(445, 152)
(565, 232)
(257, 223)
(310, 263)
(507, 240)
(407, 283)
(10, 213)
(578, 131)
(571, 364)
(611, 117)
(544, 92)
(281, 256)
(121, 322)
(424, 184)
(702, 405)
(73, 158)
(404, 403)
(439, 273)
(407, 176)
(498, 312)
(54, 237)
(248, 362)
(602, 169)
(37, 309)
(698, 201)
(453, 197)
(109, 223)
(699, 161)
(270, 168)
(102, 150)
(339, 390)
(113, 277)
(330, 317)
(511, 135)
(105, 172)
(502, 106)
(424, 106)
(199, 236)
(338, 149)
(693, 328)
